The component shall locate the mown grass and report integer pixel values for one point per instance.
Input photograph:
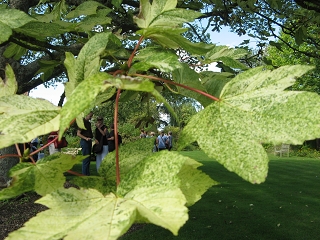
(286, 206)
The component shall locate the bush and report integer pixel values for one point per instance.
(304, 151)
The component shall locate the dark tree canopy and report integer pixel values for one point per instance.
(33, 54)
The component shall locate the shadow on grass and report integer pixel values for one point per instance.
(286, 206)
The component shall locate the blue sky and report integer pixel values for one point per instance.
(224, 37)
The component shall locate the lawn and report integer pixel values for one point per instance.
(286, 206)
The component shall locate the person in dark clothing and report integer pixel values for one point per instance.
(169, 140)
(86, 136)
(111, 139)
(101, 130)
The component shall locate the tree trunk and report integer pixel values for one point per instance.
(6, 164)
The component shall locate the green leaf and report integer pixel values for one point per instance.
(103, 185)
(193, 182)
(14, 51)
(90, 21)
(11, 19)
(227, 55)
(276, 44)
(23, 118)
(116, 3)
(154, 57)
(86, 8)
(157, 192)
(5, 32)
(32, 29)
(145, 194)
(130, 154)
(78, 211)
(210, 82)
(163, 13)
(47, 67)
(254, 109)
(300, 35)
(44, 177)
(70, 63)
(14, 18)
(86, 92)
(104, 96)
(158, 201)
(8, 86)
(161, 99)
(88, 61)
(161, 21)
(172, 38)
(214, 82)
(188, 77)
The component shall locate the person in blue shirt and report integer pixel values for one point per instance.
(161, 141)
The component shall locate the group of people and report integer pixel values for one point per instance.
(107, 136)
(103, 134)
(162, 142)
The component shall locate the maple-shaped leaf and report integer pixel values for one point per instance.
(145, 194)
(254, 109)
(162, 22)
(156, 170)
(43, 177)
(163, 13)
(155, 199)
(23, 118)
(8, 86)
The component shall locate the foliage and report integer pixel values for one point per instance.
(280, 55)
(305, 151)
(264, 21)
(136, 185)
(73, 141)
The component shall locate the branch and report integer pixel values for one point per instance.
(178, 84)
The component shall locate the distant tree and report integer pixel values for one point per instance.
(280, 54)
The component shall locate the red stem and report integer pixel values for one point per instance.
(134, 51)
(10, 155)
(31, 154)
(18, 150)
(75, 173)
(178, 84)
(44, 146)
(116, 136)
